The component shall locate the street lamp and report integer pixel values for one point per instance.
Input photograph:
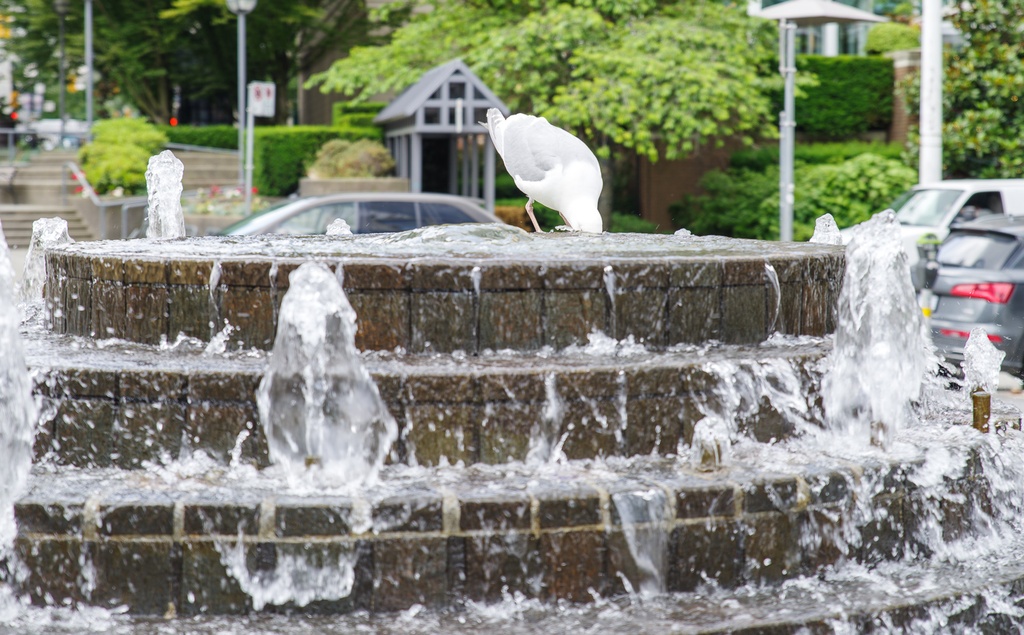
(241, 8)
(60, 7)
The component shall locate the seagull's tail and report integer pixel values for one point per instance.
(495, 126)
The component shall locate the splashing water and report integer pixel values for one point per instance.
(317, 400)
(339, 227)
(643, 514)
(881, 353)
(163, 184)
(17, 413)
(46, 232)
(826, 232)
(982, 361)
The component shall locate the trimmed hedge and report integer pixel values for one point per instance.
(347, 114)
(854, 95)
(892, 36)
(225, 137)
(760, 159)
(282, 153)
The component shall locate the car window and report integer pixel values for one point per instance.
(386, 216)
(980, 205)
(976, 251)
(925, 207)
(329, 213)
(305, 222)
(443, 214)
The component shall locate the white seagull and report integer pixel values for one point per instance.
(550, 166)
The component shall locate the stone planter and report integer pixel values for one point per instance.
(317, 187)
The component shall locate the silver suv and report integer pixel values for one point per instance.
(980, 282)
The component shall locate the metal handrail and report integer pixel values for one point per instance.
(103, 205)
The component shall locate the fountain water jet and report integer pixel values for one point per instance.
(163, 184)
(17, 419)
(46, 232)
(317, 402)
(881, 352)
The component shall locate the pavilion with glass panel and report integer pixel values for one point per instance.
(433, 131)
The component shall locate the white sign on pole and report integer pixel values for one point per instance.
(261, 99)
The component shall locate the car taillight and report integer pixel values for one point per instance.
(995, 339)
(995, 292)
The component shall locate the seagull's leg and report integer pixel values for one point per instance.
(529, 210)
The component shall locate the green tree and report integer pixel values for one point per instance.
(146, 51)
(658, 78)
(983, 92)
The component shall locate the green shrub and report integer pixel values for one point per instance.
(852, 191)
(892, 36)
(283, 153)
(760, 159)
(109, 166)
(632, 224)
(129, 132)
(738, 203)
(339, 158)
(854, 95)
(744, 203)
(119, 154)
(206, 136)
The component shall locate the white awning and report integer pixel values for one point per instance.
(811, 12)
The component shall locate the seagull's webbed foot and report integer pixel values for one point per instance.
(529, 210)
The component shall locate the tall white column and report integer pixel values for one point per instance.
(787, 128)
(930, 160)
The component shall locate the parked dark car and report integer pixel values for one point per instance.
(366, 213)
(980, 282)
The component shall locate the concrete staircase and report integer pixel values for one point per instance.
(35, 191)
(16, 222)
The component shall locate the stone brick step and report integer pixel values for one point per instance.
(194, 539)
(17, 222)
(489, 300)
(124, 404)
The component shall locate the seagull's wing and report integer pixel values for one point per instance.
(533, 147)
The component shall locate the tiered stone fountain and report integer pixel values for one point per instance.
(546, 391)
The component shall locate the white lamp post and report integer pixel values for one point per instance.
(241, 8)
(790, 15)
(930, 159)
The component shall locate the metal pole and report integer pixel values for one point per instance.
(251, 129)
(62, 80)
(930, 159)
(88, 70)
(241, 98)
(787, 126)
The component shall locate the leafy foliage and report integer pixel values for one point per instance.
(144, 50)
(652, 76)
(853, 95)
(119, 154)
(983, 111)
(743, 203)
(339, 158)
(887, 37)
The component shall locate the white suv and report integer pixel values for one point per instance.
(933, 208)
